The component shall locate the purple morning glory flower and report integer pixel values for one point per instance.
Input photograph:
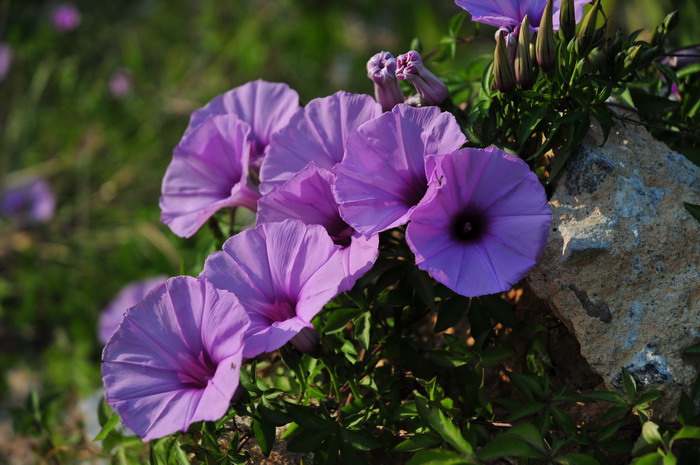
(381, 69)
(266, 106)
(120, 83)
(176, 357)
(509, 14)
(486, 224)
(130, 295)
(65, 17)
(315, 133)
(5, 60)
(308, 196)
(209, 171)
(283, 273)
(30, 200)
(383, 175)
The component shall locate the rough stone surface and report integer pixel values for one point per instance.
(621, 264)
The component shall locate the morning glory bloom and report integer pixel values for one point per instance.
(176, 357)
(381, 69)
(5, 59)
(120, 83)
(266, 106)
(209, 171)
(130, 295)
(384, 175)
(308, 196)
(315, 133)
(508, 14)
(485, 226)
(283, 274)
(29, 200)
(65, 17)
(410, 68)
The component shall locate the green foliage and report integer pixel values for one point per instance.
(407, 371)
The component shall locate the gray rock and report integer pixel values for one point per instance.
(621, 264)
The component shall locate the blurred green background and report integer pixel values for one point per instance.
(104, 156)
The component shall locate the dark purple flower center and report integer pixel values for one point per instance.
(196, 373)
(342, 236)
(468, 227)
(282, 310)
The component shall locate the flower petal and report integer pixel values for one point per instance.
(315, 133)
(383, 174)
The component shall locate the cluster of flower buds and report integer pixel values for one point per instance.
(385, 71)
(522, 50)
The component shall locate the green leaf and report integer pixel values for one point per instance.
(456, 24)
(630, 385)
(423, 285)
(495, 355)
(695, 211)
(439, 457)
(529, 434)
(273, 414)
(362, 330)
(437, 420)
(109, 426)
(338, 318)
(306, 418)
(308, 441)
(529, 122)
(264, 434)
(499, 310)
(650, 459)
(526, 410)
(450, 312)
(648, 397)
(508, 445)
(576, 459)
(359, 440)
(687, 432)
(605, 396)
(417, 442)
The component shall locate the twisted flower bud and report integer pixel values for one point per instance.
(381, 69)
(503, 73)
(431, 89)
(523, 63)
(546, 54)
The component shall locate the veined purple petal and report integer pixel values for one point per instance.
(383, 174)
(209, 171)
(176, 357)
(130, 295)
(485, 226)
(315, 133)
(283, 273)
(308, 196)
(265, 106)
(510, 13)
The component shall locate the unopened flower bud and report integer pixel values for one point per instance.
(306, 341)
(587, 32)
(632, 57)
(381, 69)
(431, 89)
(523, 65)
(503, 75)
(567, 20)
(546, 54)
